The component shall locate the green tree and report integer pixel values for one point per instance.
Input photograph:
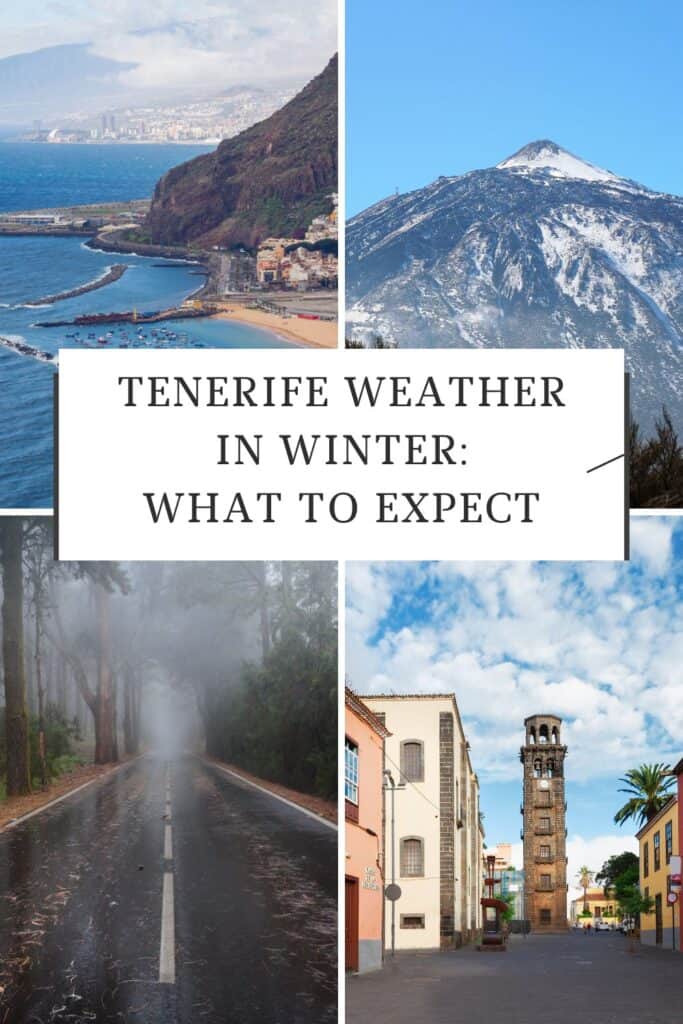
(648, 788)
(618, 873)
(632, 904)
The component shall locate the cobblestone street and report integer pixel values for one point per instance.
(561, 979)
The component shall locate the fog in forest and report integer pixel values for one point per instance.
(103, 661)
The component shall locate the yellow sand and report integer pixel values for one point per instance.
(319, 333)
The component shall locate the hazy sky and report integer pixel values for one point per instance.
(202, 43)
(600, 644)
(447, 86)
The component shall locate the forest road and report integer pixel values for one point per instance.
(169, 893)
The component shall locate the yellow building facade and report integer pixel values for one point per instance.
(601, 908)
(658, 843)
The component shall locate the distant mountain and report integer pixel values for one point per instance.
(271, 179)
(544, 249)
(51, 81)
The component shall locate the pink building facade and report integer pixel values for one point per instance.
(364, 841)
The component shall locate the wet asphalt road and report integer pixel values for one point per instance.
(250, 921)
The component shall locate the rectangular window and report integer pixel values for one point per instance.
(412, 858)
(544, 852)
(412, 761)
(545, 882)
(656, 849)
(646, 859)
(545, 916)
(668, 840)
(351, 771)
(412, 920)
(544, 825)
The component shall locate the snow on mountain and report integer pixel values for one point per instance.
(547, 156)
(543, 250)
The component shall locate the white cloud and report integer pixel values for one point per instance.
(177, 44)
(600, 645)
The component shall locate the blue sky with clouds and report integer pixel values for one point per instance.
(446, 86)
(600, 644)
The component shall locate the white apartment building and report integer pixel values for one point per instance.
(438, 833)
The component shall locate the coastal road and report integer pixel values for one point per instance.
(169, 892)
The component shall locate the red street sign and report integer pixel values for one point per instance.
(675, 879)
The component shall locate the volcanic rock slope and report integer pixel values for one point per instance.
(544, 249)
(271, 179)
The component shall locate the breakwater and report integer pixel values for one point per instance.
(17, 345)
(112, 274)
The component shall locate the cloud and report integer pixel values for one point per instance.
(205, 45)
(601, 645)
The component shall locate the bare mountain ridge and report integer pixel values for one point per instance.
(271, 179)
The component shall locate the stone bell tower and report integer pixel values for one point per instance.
(544, 831)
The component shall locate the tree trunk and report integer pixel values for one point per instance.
(131, 711)
(16, 717)
(40, 689)
(105, 724)
(262, 585)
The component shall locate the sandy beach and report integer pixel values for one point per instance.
(318, 333)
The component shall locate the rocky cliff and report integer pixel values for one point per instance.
(271, 179)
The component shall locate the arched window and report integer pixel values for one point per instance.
(550, 769)
(538, 767)
(532, 734)
(543, 734)
(412, 761)
(412, 857)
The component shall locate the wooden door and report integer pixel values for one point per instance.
(351, 891)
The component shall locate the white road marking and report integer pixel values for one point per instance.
(276, 796)
(167, 949)
(168, 844)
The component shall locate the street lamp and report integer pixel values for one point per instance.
(392, 786)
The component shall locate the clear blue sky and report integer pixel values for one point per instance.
(443, 87)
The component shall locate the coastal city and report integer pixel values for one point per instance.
(204, 122)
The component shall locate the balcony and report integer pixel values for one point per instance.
(545, 887)
(543, 830)
(538, 859)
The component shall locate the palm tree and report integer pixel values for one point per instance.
(649, 789)
(584, 878)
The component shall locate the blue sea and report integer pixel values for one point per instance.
(34, 175)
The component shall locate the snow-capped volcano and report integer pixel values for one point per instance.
(544, 249)
(548, 156)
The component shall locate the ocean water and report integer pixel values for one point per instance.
(32, 267)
